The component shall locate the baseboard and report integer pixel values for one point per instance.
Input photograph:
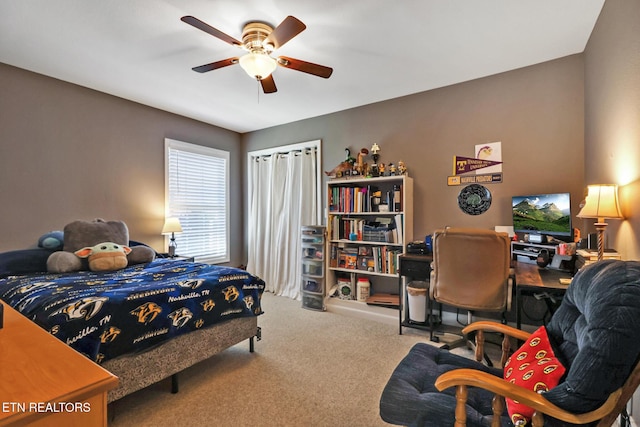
(391, 317)
(363, 310)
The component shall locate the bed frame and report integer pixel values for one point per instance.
(141, 370)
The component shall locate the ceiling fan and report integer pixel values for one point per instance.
(259, 40)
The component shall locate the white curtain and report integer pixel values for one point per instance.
(283, 197)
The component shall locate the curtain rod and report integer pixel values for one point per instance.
(307, 150)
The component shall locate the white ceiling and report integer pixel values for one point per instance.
(379, 49)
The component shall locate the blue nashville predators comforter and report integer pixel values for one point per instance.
(106, 314)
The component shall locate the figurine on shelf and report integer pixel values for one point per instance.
(348, 157)
(361, 165)
(392, 169)
(381, 169)
(375, 150)
(402, 169)
(344, 168)
(375, 168)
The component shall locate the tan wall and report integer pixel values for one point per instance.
(536, 112)
(57, 138)
(612, 116)
(67, 153)
(612, 122)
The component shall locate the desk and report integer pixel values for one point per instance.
(532, 280)
(39, 370)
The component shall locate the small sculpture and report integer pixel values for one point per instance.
(392, 169)
(345, 167)
(375, 149)
(402, 169)
(361, 166)
(375, 170)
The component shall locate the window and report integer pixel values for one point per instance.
(197, 192)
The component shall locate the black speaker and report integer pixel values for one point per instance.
(543, 258)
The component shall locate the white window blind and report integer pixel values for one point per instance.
(197, 185)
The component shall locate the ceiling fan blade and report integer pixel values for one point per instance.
(305, 67)
(268, 84)
(288, 29)
(215, 65)
(209, 29)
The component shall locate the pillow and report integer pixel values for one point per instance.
(23, 261)
(533, 366)
(53, 240)
(134, 243)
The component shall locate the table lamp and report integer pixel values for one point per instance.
(601, 203)
(172, 226)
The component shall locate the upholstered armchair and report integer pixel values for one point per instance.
(594, 335)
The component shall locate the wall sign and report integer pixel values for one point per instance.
(474, 199)
(485, 168)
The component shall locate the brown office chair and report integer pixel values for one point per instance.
(471, 271)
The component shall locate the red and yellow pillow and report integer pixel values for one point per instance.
(533, 366)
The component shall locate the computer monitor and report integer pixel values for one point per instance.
(545, 214)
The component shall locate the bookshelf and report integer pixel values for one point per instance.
(369, 222)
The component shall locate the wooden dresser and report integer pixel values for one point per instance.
(44, 382)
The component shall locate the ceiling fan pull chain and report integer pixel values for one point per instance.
(258, 88)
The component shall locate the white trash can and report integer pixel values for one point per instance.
(417, 297)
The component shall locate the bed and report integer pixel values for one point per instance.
(145, 322)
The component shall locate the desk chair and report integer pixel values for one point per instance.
(471, 271)
(594, 334)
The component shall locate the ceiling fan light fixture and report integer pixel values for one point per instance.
(268, 47)
(258, 65)
(260, 40)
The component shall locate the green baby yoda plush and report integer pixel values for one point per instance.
(82, 235)
(106, 256)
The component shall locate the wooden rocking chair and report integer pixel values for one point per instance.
(463, 378)
(594, 334)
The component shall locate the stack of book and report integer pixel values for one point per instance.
(375, 259)
(379, 229)
(589, 256)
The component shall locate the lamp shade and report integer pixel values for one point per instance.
(601, 202)
(172, 225)
(258, 65)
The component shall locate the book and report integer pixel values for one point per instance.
(591, 256)
(399, 229)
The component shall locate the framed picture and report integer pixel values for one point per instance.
(348, 260)
(366, 263)
(365, 251)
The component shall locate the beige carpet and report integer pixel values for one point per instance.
(310, 369)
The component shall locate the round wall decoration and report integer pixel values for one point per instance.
(474, 199)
